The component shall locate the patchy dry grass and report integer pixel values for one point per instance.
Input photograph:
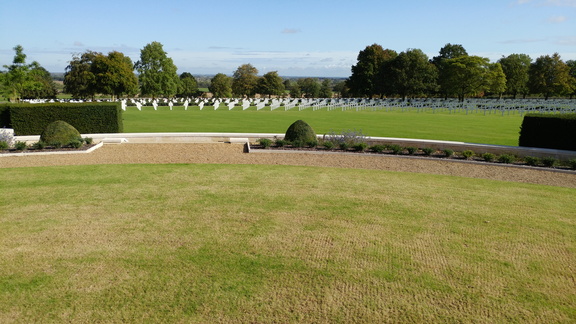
(209, 243)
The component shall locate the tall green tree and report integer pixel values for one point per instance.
(95, 73)
(495, 79)
(188, 85)
(368, 77)
(572, 65)
(515, 67)
(40, 85)
(271, 84)
(464, 76)
(16, 77)
(221, 86)
(245, 81)
(341, 89)
(449, 51)
(26, 81)
(79, 79)
(157, 72)
(550, 76)
(412, 73)
(114, 74)
(295, 91)
(310, 87)
(326, 89)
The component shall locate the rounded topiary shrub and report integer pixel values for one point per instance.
(300, 132)
(59, 132)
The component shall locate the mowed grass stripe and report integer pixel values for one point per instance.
(243, 243)
(457, 126)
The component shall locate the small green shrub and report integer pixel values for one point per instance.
(297, 143)
(506, 158)
(344, 146)
(352, 137)
(531, 161)
(448, 152)
(55, 144)
(328, 145)
(265, 142)
(75, 144)
(396, 149)
(88, 140)
(488, 157)
(467, 154)
(39, 145)
(549, 161)
(312, 143)
(280, 142)
(411, 150)
(572, 164)
(59, 131)
(378, 148)
(20, 146)
(360, 147)
(428, 151)
(300, 131)
(4, 145)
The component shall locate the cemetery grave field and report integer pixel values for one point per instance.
(487, 121)
(442, 125)
(263, 243)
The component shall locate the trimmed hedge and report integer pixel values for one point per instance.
(5, 117)
(549, 131)
(87, 118)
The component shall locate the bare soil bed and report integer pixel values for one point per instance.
(219, 153)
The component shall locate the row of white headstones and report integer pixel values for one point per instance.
(524, 105)
(490, 105)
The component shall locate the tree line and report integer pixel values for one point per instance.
(383, 72)
(378, 72)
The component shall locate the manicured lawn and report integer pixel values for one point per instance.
(473, 128)
(243, 243)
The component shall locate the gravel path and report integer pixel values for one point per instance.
(234, 154)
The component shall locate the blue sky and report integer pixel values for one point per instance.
(296, 38)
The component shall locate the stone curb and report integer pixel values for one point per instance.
(30, 153)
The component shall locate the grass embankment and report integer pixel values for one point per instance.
(210, 243)
(442, 125)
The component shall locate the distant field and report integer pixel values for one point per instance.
(262, 244)
(473, 128)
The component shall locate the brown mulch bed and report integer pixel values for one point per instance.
(219, 153)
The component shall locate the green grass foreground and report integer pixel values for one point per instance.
(262, 244)
(442, 125)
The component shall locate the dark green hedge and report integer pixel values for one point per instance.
(5, 117)
(87, 118)
(549, 131)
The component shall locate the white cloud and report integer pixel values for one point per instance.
(291, 31)
(522, 41)
(569, 41)
(561, 3)
(557, 19)
(78, 44)
(555, 3)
